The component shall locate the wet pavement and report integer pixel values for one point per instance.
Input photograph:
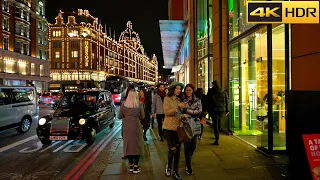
(231, 160)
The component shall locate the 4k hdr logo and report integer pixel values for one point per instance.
(288, 12)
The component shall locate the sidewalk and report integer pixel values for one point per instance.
(231, 160)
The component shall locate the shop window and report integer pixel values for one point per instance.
(248, 84)
(41, 70)
(33, 69)
(22, 68)
(278, 87)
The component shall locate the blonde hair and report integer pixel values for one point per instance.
(132, 100)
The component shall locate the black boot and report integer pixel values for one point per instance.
(176, 175)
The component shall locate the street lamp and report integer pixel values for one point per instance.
(164, 67)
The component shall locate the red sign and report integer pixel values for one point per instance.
(312, 145)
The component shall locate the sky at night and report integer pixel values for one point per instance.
(144, 15)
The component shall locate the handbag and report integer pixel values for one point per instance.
(185, 132)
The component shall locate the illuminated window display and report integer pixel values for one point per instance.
(204, 43)
(248, 83)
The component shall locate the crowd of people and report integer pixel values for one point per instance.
(180, 112)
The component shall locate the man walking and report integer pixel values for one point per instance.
(218, 108)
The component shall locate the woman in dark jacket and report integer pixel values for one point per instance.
(146, 101)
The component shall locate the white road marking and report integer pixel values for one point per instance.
(80, 147)
(63, 146)
(5, 148)
(55, 143)
(29, 150)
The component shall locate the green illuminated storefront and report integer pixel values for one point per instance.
(259, 70)
(204, 43)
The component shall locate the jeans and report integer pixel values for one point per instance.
(160, 118)
(174, 146)
(189, 148)
(216, 123)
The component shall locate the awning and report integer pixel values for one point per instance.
(171, 32)
(176, 68)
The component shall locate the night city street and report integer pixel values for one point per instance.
(24, 157)
(159, 89)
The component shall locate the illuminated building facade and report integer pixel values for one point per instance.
(82, 54)
(23, 44)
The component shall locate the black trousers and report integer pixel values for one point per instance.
(160, 118)
(216, 123)
(134, 159)
(173, 154)
(189, 148)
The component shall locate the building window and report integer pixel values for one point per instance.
(74, 54)
(5, 25)
(5, 5)
(41, 70)
(40, 39)
(73, 33)
(33, 67)
(40, 9)
(18, 12)
(17, 47)
(74, 44)
(40, 53)
(57, 44)
(57, 65)
(56, 33)
(6, 43)
(57, 54)
(25, 49)
(18, 29)
(74, 64)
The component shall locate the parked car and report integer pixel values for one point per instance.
(18, 107)
(80, 114)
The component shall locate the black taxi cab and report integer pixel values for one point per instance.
(80, 114)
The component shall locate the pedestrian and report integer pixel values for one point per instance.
(200, 95)
(151, 93)
(217, 108)
(146, 101)
(193, 109)
(171, 106)
(129, 88)
(157, 108)
(131, 113)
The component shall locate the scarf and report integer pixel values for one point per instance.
(142, 100)
(162, 94)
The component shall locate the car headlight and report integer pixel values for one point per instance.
(42, 121)
(82, 121)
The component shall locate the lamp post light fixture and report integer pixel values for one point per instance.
(164, 67)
